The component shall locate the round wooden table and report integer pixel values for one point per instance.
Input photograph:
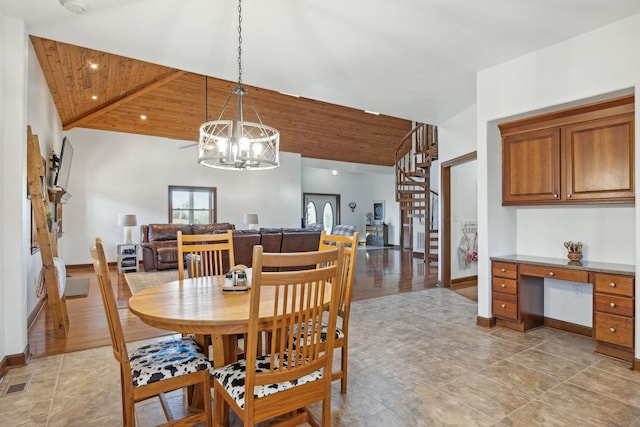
(199, 306)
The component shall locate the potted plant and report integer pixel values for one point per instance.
(49, 217)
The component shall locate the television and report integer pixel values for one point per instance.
(64, 165)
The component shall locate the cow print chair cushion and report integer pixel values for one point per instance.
(232, 378)
(168, 359)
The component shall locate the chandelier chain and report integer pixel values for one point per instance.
(240, 43)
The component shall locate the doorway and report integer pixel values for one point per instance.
(320, 208)
(446, 190)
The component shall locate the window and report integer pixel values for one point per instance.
(192, 205)
(327, 218)
(311, 213)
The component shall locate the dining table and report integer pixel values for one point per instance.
(205, 306)
(201, 307)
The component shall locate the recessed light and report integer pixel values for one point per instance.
(290, 94)
(372, 112)
(75, 6)
(94, 66)
(143, 117)
(94, 97)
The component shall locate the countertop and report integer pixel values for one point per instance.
(598, 267)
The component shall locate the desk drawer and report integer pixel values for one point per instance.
(505, 269)
(554, 273)
(614, 329)
(505, 306)
(507, 286)
(612, 284)
(614, 305)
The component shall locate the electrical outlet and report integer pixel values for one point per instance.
(577, 291)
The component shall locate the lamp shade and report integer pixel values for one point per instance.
(251, 219)
(127, 220)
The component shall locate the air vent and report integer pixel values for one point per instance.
(17, 384)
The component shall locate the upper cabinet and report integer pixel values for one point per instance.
(578, 156)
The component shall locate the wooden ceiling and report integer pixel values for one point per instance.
(174, 103)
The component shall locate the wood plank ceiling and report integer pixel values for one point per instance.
(173, 102)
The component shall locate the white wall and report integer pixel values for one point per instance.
(115, 173)
(45, 122)
(359, 183)
(457, 137)
(14, 208)
(464, 208)
(592, 66)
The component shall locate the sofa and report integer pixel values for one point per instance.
(160, 246)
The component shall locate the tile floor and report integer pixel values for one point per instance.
(416, 359)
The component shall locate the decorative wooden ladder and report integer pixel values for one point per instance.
(414, 156)
(36, 179)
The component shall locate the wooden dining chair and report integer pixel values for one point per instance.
(205, 254)
(153, 369)
(327, 242)
(286, 378)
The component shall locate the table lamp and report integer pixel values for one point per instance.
(128, 221)
(251, 219)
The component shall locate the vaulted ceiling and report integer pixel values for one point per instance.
(407, 59)
(119, 91)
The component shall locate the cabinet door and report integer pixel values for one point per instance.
(531, 167)
(599, 160)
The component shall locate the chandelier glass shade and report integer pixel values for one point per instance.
(238, 144)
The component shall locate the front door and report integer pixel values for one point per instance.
(321, 209)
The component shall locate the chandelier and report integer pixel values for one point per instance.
(238, 144)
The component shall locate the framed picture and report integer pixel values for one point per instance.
(378, 211)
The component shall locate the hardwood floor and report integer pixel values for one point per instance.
(379, 272)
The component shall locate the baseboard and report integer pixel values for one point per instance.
(13, 361)
(569, 327)
(486, 322)
(464, 282)
(635, 365)
(31, 319)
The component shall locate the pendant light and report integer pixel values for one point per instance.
(238, 144)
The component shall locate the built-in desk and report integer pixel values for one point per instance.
(517, 285)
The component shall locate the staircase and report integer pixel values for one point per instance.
(413, 159)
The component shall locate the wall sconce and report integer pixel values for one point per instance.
(352, 205)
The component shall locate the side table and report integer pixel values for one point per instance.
(128, 257)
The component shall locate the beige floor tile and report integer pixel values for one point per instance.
(415, 359)
(590, 405)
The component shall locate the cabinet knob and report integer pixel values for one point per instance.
(612, 304)
(613, 285)
(505, 306)
(555, 196)
(568, 196)
(502, 285)
(503, 269)
(612, 330)
(551, 273)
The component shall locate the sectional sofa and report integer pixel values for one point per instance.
(160, 246)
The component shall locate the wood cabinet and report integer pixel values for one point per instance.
(614, 304)
(583, 155)
(517, 296)
(377, 235)
(517, 301)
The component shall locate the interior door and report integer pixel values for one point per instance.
(321, 208)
